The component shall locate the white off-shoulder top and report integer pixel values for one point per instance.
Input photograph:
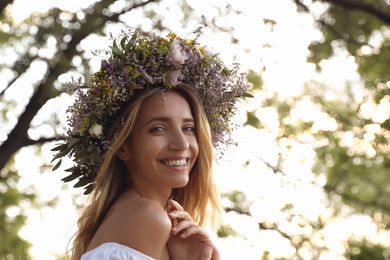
(114, 251)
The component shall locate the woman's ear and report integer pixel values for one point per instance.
(123, 152)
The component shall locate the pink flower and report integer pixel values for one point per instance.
(175, 77)
(176, 55)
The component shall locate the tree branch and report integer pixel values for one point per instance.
(42, 140)
(3, 5)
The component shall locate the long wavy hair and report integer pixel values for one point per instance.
(199, 197)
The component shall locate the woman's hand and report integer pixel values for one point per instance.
(188, 240)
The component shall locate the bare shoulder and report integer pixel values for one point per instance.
(141, 224)
(150, 213)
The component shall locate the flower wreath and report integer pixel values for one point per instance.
(137, 64)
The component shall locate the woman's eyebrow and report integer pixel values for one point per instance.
(167, 119)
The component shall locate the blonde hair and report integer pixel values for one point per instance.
(199, 197)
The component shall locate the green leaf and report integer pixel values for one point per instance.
(96, 155)
(117, 51)
(57, 165)
(73, 141)
(69, 178)
(114, 44)
(71, 169)
(57, 156)
(135, 35)
(247, 94)
(59, 147)
(75, 171)
(82, 182)
(61, 154)
(90, 147)
(81, 153)
(123, 42)
(88, 189)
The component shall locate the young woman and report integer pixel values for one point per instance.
(142, 139)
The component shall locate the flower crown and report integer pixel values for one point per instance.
(137, 64)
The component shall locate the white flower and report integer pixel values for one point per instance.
(96, 130)
(176, 56)
(208, 52)
(175, 77)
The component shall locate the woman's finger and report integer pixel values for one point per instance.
(174, 205)
(183, 225)
(189, 228)
(176, 214)
(193, 231)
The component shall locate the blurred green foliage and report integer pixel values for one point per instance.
(12, 216)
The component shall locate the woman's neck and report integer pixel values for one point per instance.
(160, 195)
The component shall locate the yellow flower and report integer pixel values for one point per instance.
(172, 36)
(189, 42)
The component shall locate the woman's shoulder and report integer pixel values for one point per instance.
(140, 224)
(145, 210)
(136, 214)
(114, 251)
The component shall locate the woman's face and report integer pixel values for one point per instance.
(162, 148)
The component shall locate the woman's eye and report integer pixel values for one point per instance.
(157, 129)
(189, 128)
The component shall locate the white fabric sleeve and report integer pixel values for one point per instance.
(114, 251)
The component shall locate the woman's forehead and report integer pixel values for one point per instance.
(168, 103)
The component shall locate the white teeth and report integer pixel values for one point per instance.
(176, 162)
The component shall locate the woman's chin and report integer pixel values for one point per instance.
(180, 184)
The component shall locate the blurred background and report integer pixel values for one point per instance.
(309, 176)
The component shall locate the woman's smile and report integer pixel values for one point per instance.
(178, 162)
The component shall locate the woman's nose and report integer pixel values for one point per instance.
(179, 141)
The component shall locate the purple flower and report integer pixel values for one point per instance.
(76, 125)
(95, 91)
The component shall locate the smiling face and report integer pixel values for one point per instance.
(162, 148)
